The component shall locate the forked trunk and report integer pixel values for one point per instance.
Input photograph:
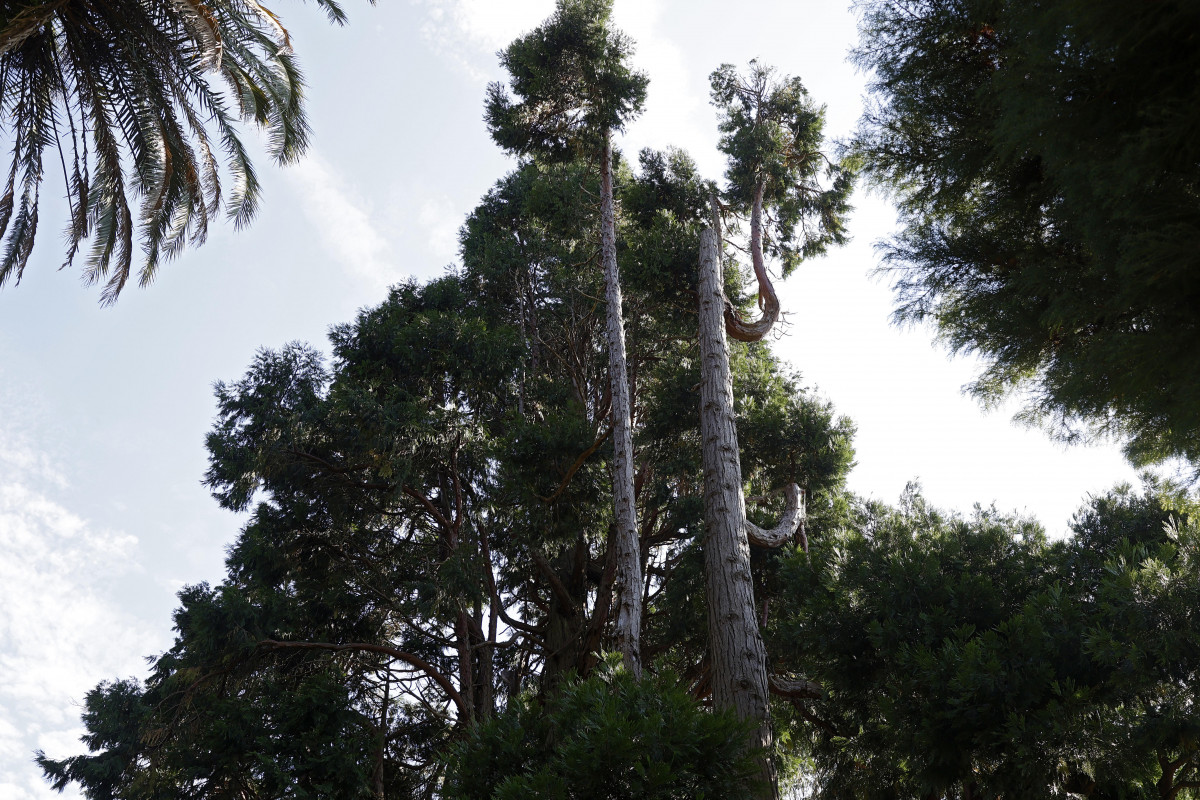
(629, 567)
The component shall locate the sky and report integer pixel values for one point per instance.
(103, 411)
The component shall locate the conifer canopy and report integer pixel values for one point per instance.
(1045, 162)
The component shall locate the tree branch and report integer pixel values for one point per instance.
(367, 647)
(583, 457)
(768, 301)
(603, 606)
(517, 625)
(429, 507)
(26, 23)
(795, 688)
(556, 584)
(777, 536)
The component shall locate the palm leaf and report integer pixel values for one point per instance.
(144, 101)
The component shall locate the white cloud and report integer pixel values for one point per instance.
(365, 236)
(18, 457)
(61, 628)
(469, 32)
(439, 223)
(677, 111)
(25, 461)
(344, 221)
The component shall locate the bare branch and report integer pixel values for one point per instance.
(556, 584)
(795, 688)
(584, 456)
(787, 526)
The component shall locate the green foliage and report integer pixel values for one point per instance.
(666, 207)
(973, 656)
(573, 85)
(785, 433)
(772, 134)
(142, 100)
(609, 737)
(112, 714)
(1044, 159)
(429, 518)
(199, 728)
(445, 467)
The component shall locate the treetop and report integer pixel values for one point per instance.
(572, 84)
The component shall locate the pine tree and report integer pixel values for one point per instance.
(973, 657)
(1045, 163)
(430, 534)
(432, 538)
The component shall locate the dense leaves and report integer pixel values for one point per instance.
(973, 658)
(606, 738)
(575, 88)
(429, 539)
(1045, 162)
(420, 599)
(773, 135)
(573, 85)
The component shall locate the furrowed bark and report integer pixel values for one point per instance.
(466, 667)
(600, 611)
(629, 567)
(381, 752)
(565, 631)
(737, 656)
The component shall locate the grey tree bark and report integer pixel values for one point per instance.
(737, 656)
(628, 566)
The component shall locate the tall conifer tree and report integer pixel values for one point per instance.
(429, 542)
(574, 89)
(772, 137)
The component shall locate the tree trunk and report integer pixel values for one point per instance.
(566, 620)
(629, 567)
(381, 755)
(736, 651)
(466, 673)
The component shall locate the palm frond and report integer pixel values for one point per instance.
(144, 101)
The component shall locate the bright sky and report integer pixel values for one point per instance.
(103, 412)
